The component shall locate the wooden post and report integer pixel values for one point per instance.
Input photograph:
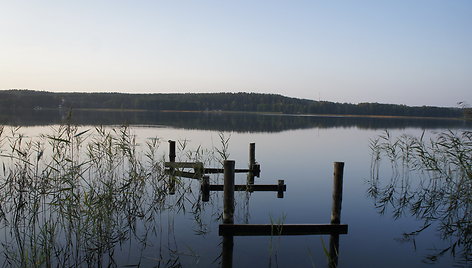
(333, 251)
(252, 163)
(250, 178)
(337, 192)
(256, 170)
(228, 211)
(252, 154)
(199, 169)
(228, 192)
(171, 169)
(171, 151)
(280, 191)
(336, 213)
(206, 189)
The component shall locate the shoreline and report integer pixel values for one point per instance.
(260, 113)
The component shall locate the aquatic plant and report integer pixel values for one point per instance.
(431, 180)
(75, 196)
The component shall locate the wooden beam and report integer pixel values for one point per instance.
(183, 174)
(283, 229)
(194, 165)
(251, 187)
(220, 170)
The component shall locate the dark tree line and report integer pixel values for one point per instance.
(12, 100)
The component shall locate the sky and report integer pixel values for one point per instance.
(413, 52)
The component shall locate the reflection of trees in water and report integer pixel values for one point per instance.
(89, 198)
(431, 180)
(239, 122)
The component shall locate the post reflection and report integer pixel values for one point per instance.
(227, 254)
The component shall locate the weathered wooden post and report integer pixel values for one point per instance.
(280, 190)
(336, 213)
(199, 169)
(171, 151)
(252, 154)
(252, 163)
(337, 192)
(171, 169)
(205, 188)
(228, 192)
(228, 212)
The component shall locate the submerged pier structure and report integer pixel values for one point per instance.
(228, 229)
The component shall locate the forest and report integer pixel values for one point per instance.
(13, 100)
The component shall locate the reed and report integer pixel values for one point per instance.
(431, 179)
(75, 196)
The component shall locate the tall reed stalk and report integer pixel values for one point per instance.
(430, 179)
(73, 197)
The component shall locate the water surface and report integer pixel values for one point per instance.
(298, 149)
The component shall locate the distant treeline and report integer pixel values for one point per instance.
(246, 102)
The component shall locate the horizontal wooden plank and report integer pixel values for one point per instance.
(250, 187)
(183, 164)
(197, 165)
(184, 174)
(284, 229)
(220, 170)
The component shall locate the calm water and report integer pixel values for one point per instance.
(298, 149)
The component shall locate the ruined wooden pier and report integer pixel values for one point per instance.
(196, 170)
(199, 170)
(228, 229)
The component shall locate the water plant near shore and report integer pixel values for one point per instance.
(75, 196)
(431, 180)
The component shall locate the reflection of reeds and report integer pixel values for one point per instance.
(440, 191)
(74, 197)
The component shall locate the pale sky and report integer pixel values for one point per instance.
(414, 52)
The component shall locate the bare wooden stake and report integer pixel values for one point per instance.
(337, 192)
(256, 170)
(281, 189)
(206, 188)
(333, 250)
(228, 211)
(228, 192)
(250, 178)
(199, 170)
(172, 170)
(252, 154)
(252, 162)
(336, 213)
(171, 151)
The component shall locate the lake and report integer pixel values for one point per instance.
(140, 224)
